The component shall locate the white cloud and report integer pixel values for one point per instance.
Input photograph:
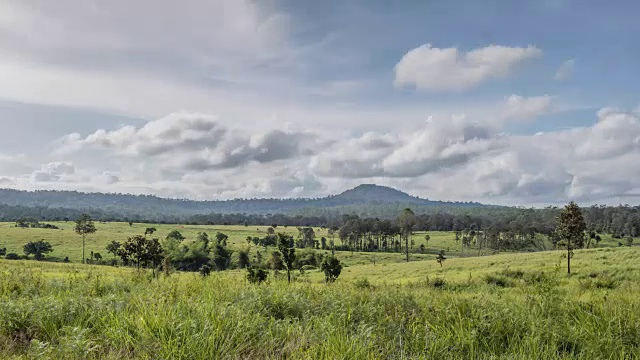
(565, 70)
(525, 108)
(53, 172)
(448, 69)
(196, 142)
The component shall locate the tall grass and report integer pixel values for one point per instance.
(59, 311)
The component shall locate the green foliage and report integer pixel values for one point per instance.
(113, 247)
(332, 268)
(84, 226)
(221, 257)
(141, 251)
(256, 275)
(275, 261)
(175, 235)
(288, 253)
(441, 258)
(221, 239)
(38, 248)
(243, 258)
(571, 228)
(205, 270)
(12, 256)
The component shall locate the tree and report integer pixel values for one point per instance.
(406, 221)
(175, 235)
(38, 248)
(288, 253)
(149, 231)
(332, 268)
(113, 247)
(243, 258)
(440, 258)
(571, 227)
(84, 226)
(221, 239)
(630, 241)
(141, 251)
(427, 238)
(221, 257)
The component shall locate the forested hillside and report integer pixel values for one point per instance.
(153, 207)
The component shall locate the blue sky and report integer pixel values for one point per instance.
(527, 102)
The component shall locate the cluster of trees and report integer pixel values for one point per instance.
(34, 224)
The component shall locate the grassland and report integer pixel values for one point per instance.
(510, 306)
(66, 243)
(504, 306)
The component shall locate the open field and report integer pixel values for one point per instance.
(67, 243)
(510, 306)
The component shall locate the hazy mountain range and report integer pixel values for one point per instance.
(362, 195)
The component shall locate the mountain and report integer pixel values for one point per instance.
(148, 206)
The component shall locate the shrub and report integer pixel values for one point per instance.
(205, 270)
(3, 251)
(256, 275)
(497, 280)
(332, 268)
(38, 248)
(363, 283)
(12, 256)
(438, 283)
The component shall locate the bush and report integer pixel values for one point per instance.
(256, 275)
(12, 256)
(3, 251)
(498, 280)
(332, 268)
(363, 283)
(205, 270)
(38, 248)
(438, 283)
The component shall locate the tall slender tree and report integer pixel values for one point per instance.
(288, 253)
(84, 226)
(571, 227)
(406, 221)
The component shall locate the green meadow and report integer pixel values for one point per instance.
(500, 306)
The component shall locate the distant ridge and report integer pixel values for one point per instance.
(149, 204)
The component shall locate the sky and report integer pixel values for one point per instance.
(503, 102)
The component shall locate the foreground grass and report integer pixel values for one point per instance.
(518, 306)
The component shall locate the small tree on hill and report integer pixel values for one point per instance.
(84, 226)
(38, 248)
(288, 253)
(441, 258)
(571, 227)
(332, 268)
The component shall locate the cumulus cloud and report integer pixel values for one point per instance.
(449, 158)
(440, 144)
(198, 141)
(52, 172)
(448, 69)
(525, 108)
(565, 70)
